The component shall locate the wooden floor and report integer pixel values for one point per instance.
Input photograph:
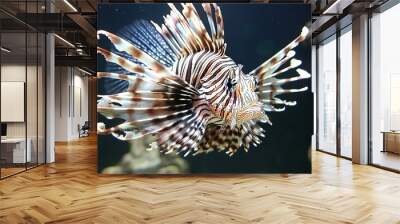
(5, 172)
(387, 159)
(70, 191)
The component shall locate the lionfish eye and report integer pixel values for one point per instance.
(231, 83)
(256, 82)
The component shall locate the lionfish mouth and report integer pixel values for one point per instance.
(253, 111)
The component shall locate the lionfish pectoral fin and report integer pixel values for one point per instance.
(149, 107)
(157, 101)
(175, 117)
(186, 134)
(270, 86)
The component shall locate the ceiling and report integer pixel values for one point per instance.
(74, 21)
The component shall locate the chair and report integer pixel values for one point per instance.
(84, 130)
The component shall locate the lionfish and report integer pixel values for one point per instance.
(186, 92)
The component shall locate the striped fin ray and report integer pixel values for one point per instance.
(148, 107)
(207, 9)
(157, 102)
(177, 120)
(231, 139)
(132, 130)
(158, 69)
(171, 139)
(186, 33)
(144, 98)
(269, 83)
(181, 30)
(270, 66)
(144, 84)
(273, 87)
(131, 111)
(220, 25)
(170, 80)
(251, 132)
(217, 40)
(185, 135)
(144, 35)
(193, 18)
(111, 85)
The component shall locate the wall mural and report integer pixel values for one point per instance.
(204, 88)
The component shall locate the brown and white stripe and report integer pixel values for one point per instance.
(204, 101)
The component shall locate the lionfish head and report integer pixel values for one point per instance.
(246, 105)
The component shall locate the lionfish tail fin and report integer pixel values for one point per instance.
(270, 86)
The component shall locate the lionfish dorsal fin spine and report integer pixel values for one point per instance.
(163, 73)
(207, 9)
(185, 31)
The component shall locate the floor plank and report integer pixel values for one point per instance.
(70, 191)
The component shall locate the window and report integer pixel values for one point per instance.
(385, 89)
(327, 96)
(22, 77)
(346, 92)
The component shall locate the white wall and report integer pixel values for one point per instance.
(14, 73)
(71, 102)
(61, 103)
(80, 110)
(33, 127)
